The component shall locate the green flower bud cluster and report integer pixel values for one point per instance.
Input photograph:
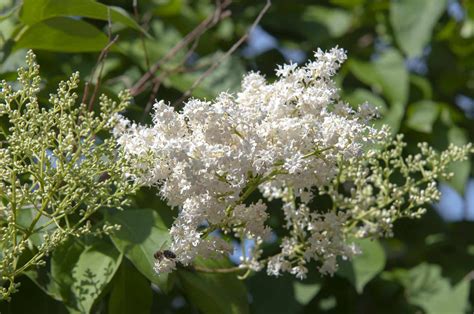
(56, 170)
(384, 186)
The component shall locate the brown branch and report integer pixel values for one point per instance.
(219, 14)
(194, 68)
(142, 38)
(226, 55)
(154, 91)
(158, 80)
(100, 61)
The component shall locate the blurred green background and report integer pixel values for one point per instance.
(414, 59)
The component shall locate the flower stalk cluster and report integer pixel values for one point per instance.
(292, 140)
(56, 171)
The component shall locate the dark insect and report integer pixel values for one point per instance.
(159, 255)
(104, 176)
(168, 254)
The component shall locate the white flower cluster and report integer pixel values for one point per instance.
(279, 137)
(287, 139)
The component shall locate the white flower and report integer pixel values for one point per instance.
(164, 265)
(286, 69)
(277, 137)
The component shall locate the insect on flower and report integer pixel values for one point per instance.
(159, 255)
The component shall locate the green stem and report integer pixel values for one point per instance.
(317, 152)
(218, 270)
(31, 262)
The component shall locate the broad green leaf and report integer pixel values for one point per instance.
(422, 115)
(290, 297)
(168, 7)
(426, 287)
(361, 95)
(9, 13)
(305, 292)
(12, 62)
(445, 132)
(459, 295)
(461, 169)
(423, 85)
(142, 233)
(83, 273)
(413, 22)
(64, 35)
(336, 21)
(309, 22)
(215, 293)
(29, 299)
(387, 75)
(63, 261)
(8, 26)
(364, 267)
(26, 216)
(282, 300)
(348, 3)
(94, 270)
(43, 279)
(131, 292)
(34, 11)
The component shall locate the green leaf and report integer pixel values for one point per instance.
(364, 267)
(168, 8)
(29, 299)
(131, 292)
(215, 293)
(64, 35)
(34, 11)
(26, 216)
(361, 95)
(282, 300)
(9, 25)
(226, 77)
(9, 13)
(387, 75)
(156, 49)
(413, 22)
(459, 295)
(422, 115)
(461, 169)
(94, 270)
(290, 297)
(142, 233)
(351, 4)
(43, 279)
(425, 287)
(305, 292)
(423, 85)
(336, 21)
(82, 275)
(12, 62)
(445, 132)
(63, 261)
(313, 23)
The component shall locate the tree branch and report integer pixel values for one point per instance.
(225, 56)
(219, 14)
